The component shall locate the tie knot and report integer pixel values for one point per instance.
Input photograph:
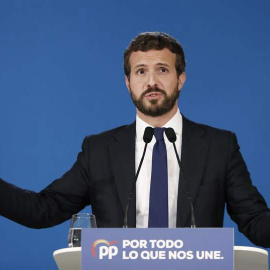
(158, 133)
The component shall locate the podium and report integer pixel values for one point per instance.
(245, 258)
(160, 248)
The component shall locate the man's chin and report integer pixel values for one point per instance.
(155, 107)
(153, 102)
(153, 110)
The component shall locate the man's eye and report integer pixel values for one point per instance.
(163, 70)
(140, 71)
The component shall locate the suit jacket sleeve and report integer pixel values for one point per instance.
(245, 204)
(53, 205)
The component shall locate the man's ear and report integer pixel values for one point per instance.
(127, 83)
(181, 80)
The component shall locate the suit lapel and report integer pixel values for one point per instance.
(122, 156)
(193, 159)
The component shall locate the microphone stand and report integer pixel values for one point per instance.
(172, 138)
(147, 137)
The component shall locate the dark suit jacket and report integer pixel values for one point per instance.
(103, 174)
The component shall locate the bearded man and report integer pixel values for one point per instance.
(212, 171)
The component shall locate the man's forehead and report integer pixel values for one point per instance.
(155, 57)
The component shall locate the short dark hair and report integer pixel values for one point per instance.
(155, 41)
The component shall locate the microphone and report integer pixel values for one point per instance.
(172, 138)
(147, 138)
(148, 134)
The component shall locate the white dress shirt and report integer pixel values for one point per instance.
(144, 179)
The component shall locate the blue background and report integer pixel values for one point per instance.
(61, 78)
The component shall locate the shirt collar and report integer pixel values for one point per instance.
(175, 122)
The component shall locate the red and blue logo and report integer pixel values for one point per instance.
(106, 250)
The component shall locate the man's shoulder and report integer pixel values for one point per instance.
(112, 134)
(205, 130)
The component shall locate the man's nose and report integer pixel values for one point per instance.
(152, 81)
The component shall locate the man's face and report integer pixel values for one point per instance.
(153, 83)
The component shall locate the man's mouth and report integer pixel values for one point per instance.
(153, 95)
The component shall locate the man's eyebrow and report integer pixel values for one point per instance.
(162, 64)
(140, 65)
(158, 64)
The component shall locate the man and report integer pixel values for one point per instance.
(103, 174)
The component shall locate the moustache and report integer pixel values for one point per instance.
(153, 89)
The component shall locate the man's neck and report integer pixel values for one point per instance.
(158, 121)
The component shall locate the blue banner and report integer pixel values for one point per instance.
(134, 249)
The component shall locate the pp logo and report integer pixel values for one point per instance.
(107, 250)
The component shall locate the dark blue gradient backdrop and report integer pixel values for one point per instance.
(61, 78)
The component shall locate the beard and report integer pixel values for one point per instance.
(156, 107)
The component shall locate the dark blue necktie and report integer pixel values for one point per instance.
(158, 202)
